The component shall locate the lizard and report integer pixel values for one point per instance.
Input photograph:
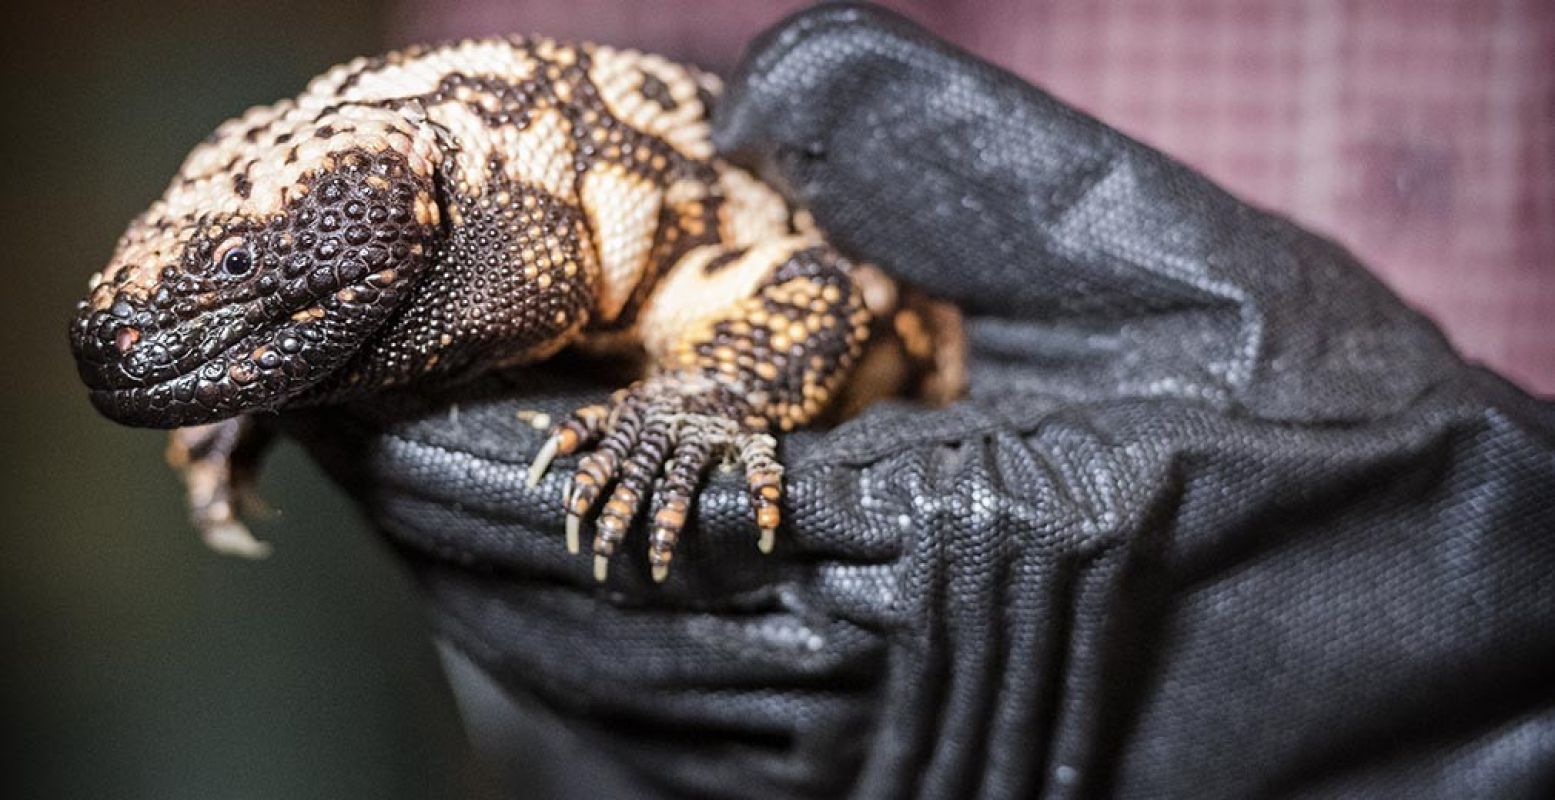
(426, 215)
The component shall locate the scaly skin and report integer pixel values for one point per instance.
(437, 212)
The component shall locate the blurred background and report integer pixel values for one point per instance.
(1421, 134)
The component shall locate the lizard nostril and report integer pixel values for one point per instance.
(126, 338)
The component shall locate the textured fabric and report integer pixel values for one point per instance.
(1221, 518)
(1419, 132)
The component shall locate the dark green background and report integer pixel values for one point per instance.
(141, 665)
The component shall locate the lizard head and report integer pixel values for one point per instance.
(286, 239)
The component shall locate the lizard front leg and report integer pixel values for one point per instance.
(219, 464)
(726, 376)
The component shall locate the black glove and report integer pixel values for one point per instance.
(1221, 517)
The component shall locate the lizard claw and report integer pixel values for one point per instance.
(655, 443)
(581, 428)
(542, 460)
(574, 523)
(232, 538)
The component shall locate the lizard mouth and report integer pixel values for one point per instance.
(240, 358)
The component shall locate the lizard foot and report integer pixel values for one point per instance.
(671, 425)
(217, 464)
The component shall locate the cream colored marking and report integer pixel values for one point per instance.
(203, 185)
(709, 82)
(422, 74)
(328, 84)
(541, 154)
(211, 157)
(425, 209)
(875, 287)
(688, 297)
(685, 191)
(805, 223)
(623, 212)
(474, 145)
(752, 212)
(619, 75)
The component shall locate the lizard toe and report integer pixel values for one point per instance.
(655, 443)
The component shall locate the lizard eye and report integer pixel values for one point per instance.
(234, 258)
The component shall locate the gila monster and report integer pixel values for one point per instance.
(436, 212)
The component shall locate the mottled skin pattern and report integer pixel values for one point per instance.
(436, 212)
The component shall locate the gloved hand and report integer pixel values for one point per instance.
(1220, 518)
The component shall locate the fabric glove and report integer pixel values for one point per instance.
(1221, 517)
